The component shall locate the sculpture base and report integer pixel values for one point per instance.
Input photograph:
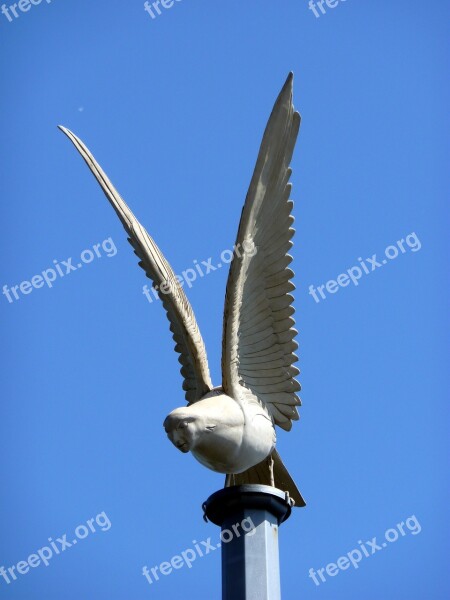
(249, 517)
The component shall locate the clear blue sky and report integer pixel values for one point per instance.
(174, 109)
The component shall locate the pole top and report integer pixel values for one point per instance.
(230, 501)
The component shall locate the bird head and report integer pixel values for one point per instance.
(182, 429)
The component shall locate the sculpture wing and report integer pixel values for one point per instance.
(258, 337)
(183, 325)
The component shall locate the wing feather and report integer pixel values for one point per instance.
(258, 339)
(183, 325)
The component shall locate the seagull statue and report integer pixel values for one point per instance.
(231, 428)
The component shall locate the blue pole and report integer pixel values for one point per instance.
(249, 517)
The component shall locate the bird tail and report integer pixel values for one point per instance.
(260, 474)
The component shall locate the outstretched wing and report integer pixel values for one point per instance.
(188, 341)
(258, 337)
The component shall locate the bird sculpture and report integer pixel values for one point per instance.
(231, 428)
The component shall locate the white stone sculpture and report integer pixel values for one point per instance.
(230, 429)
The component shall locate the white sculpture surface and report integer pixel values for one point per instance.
(231, 429)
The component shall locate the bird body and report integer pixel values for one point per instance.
(231, 429)
(223, 434)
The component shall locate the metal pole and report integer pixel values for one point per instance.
(249, 517)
